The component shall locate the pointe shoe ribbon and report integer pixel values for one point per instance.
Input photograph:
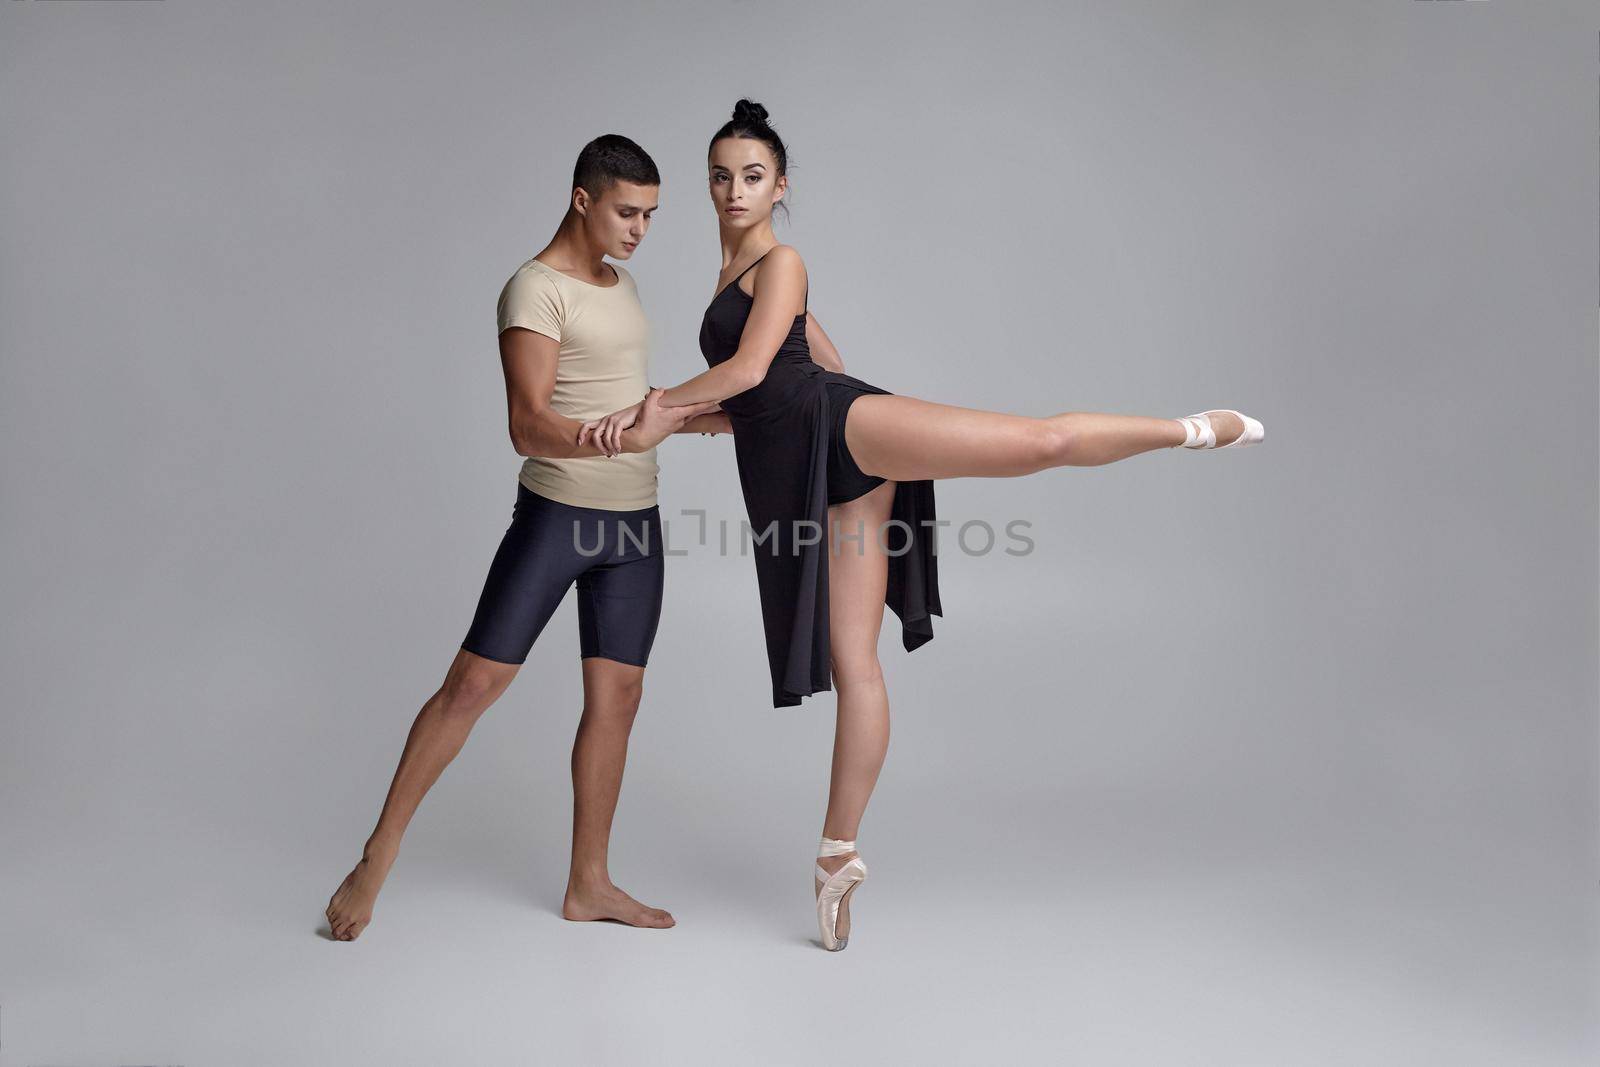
(1198, 433)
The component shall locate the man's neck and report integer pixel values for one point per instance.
(570, 254)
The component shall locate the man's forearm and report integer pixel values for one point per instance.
(552, 436)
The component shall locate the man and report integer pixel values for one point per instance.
(573, 345)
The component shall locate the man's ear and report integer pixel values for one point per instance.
(580, 201)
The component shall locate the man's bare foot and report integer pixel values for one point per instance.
(586, 903)
(350, 910)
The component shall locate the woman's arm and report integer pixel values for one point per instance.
(714, 422)
(780, 284)
(823, 354)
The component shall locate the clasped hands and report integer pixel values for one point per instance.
(650, 422)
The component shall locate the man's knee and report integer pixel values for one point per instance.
(626, 695)
(471, 687)
(614, 695)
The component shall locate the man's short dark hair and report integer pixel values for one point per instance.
(609, 159)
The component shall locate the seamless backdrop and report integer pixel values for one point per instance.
(1284, 756)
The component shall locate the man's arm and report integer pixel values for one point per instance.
(529, 361)
(823, 354)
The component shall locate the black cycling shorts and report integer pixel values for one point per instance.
(616, 557)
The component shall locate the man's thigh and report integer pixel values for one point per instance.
(619, 600)
(535, 565)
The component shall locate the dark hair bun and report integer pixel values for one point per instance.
(749, 112)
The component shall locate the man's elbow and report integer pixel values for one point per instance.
(530, 439)
(523, 443)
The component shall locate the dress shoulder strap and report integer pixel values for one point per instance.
(753, 262)
(805, 301)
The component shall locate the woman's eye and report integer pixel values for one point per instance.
(751, 178)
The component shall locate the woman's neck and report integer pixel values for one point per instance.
(741, 245)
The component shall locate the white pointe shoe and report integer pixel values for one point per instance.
(833, 893)
(1197, 431)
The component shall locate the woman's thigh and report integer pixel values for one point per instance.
(908, 440)
(858, 576)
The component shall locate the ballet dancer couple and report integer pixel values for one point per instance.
(813, 446)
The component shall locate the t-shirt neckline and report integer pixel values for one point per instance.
(580, 281)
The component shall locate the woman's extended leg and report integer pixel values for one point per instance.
(906, 439)
(858, 573)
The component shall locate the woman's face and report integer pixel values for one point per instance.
(744, 182)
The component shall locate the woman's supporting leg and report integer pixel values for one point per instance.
(906, 439)
(858, 574)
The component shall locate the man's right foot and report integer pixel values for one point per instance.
(588, 903)
(350, 910)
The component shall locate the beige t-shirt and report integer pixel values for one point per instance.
(605, 341)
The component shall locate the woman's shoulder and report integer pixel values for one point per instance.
(782, 253)
(781, 260)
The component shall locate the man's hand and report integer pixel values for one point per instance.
(650, 422)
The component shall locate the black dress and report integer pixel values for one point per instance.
(788, 437)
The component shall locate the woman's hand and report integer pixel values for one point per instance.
(607, 431)
(657, 423)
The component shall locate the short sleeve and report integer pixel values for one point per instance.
(532, 301)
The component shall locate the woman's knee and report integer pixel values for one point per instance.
(856, 670)
(1056, 441)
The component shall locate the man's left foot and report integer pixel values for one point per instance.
(586, 904)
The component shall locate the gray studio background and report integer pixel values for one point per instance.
(1281, 757)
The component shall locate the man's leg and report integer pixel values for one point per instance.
(611, 693)
(619, 607)
(532, 570)
(440, 729)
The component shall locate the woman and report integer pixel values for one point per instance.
(820, 451)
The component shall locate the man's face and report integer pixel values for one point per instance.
(620, 218)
